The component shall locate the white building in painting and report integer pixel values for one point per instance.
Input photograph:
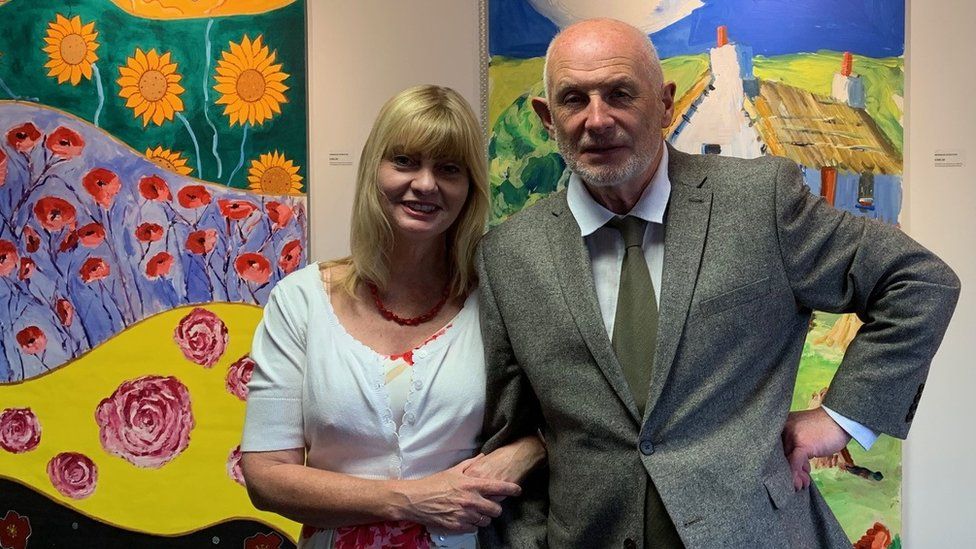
(716, 122)
(845, 156)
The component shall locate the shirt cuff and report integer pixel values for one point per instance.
(863, 435)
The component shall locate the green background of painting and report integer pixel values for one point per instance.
(22, 69)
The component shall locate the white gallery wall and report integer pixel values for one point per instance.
(940, 208)
(362, 52)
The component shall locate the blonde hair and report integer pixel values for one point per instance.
(428, 120)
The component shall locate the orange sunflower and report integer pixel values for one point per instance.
(150, 84)
(249, 82)
(71, 49)
(272, 173)
(169, 160)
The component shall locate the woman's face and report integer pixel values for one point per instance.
(423, 195)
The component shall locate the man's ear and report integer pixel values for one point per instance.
(667, 98)
(541, 108)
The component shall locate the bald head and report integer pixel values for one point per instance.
(610, 36)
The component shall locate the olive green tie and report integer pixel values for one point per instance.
(635, 324)
(634, 338)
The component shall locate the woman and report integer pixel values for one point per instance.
(365, 407)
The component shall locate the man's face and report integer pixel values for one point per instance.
(605, 108)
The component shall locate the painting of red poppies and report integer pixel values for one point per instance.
(152, 193)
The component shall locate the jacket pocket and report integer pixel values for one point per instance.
(779, 485)
(734, 298)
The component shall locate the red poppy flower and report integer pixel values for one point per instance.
(9, 260)
(103, 185)
(149, 232)
(23, 137)
(91, 235)
(253, 267)
(94, 268)
(32, 240)
(69, 242)
(154, 187)
(14, 530)
(193, 196)
(65, 311)
(32, 340)
(65, 143)
(3, 167)
(27, 267)
(877, 537)
(201, 242)
(280, 214)
(159, 265)
(236, 209)
(54, 213)
(263, 541)
(291, 255)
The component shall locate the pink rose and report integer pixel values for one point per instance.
(202, 337)
(19, 430)
(73, 474)
(234, 466)
(238, 375)
(147, 421)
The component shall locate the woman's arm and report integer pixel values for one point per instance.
(279, 481)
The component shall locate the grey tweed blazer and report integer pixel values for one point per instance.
(749, 253)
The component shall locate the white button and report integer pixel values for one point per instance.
(422, 353)
(408, 417)
(441, 537)
(418, 385)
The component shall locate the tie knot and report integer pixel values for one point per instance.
(631, 228)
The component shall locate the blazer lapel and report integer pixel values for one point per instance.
(576, 281)
(685, 228)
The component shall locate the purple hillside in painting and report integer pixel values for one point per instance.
(845, 156)
(94, 238)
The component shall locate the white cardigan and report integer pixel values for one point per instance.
(316, 387)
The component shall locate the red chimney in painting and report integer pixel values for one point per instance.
(723, 36)
(847, 66)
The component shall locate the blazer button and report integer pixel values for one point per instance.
(630, 544)
(646, 447)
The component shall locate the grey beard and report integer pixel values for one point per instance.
(607, 176)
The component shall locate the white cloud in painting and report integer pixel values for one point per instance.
(647, 15)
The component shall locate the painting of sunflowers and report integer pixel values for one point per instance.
(153, 162)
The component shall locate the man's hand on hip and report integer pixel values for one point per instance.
(809, 434)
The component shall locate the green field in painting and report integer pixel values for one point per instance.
(857, 502)
(23, 76)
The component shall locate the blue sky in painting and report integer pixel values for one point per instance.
(874, 28)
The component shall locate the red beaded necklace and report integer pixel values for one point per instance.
(413, 321)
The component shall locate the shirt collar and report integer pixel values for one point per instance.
(591, 215)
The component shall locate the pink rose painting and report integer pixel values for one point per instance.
(147, 421)
(238, 375)
(234, 466)
(19, 430)
(74, 475)
(202, 337)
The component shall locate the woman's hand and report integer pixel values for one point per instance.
(453, 501)
(511, 463)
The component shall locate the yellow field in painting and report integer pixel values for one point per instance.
(189, 493)
(185, 9)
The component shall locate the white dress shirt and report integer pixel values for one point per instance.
(606, 250)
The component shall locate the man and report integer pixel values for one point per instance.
(669, 425)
